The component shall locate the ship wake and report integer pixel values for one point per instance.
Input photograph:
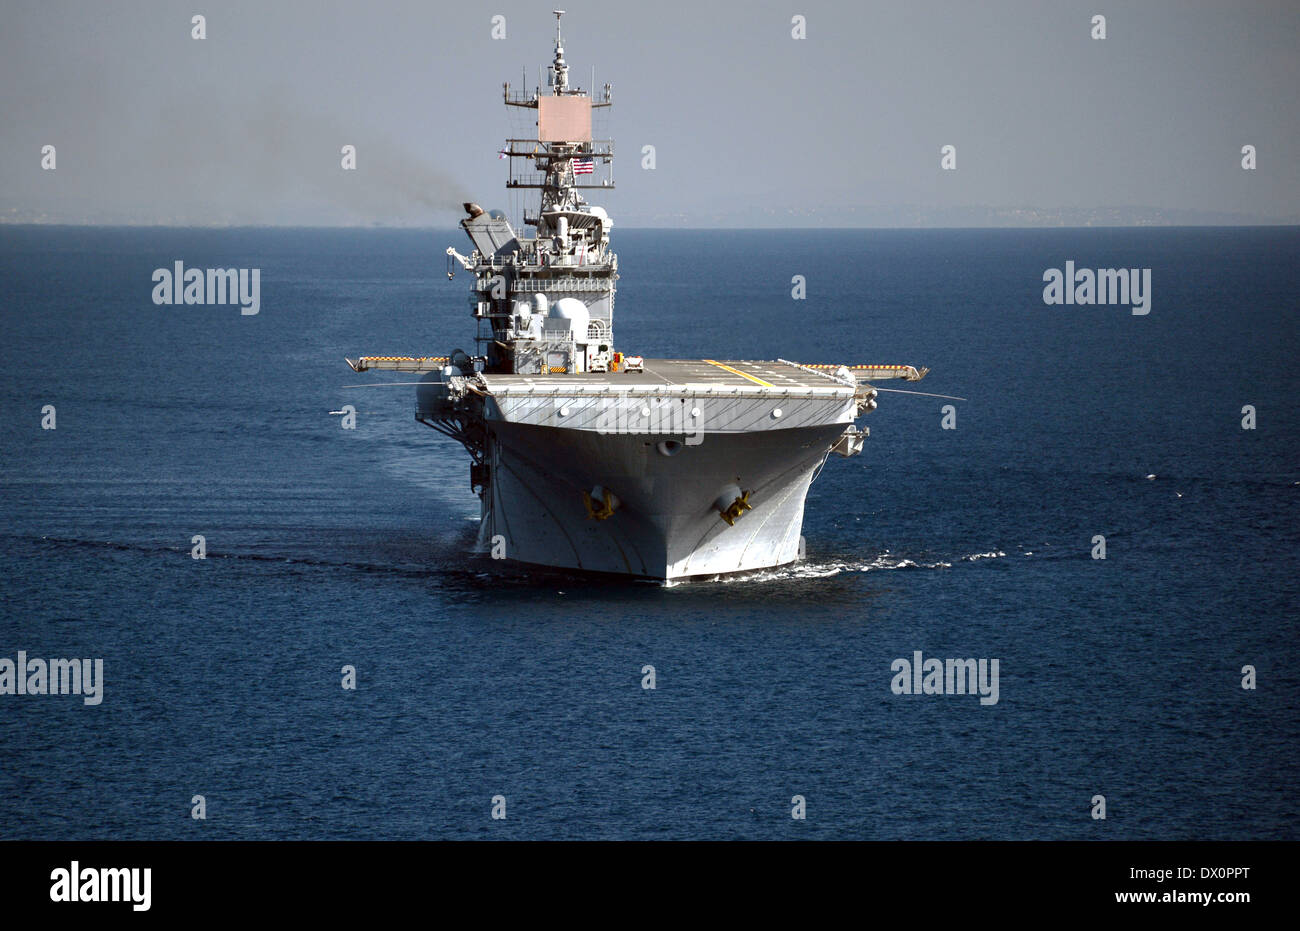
(826, 567)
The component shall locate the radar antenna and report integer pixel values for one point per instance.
(560, 78)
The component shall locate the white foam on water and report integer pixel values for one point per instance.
(821, 569)
(995, 554)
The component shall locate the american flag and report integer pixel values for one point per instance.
(584, 166)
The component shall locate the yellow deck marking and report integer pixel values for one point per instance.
(757, 381)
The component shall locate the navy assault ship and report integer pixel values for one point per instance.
(591, 459)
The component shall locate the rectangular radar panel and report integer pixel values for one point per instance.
(564, 119)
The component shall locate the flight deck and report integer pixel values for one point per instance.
(690, 374)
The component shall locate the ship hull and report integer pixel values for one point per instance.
(666, 524)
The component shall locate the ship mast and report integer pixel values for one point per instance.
(553, 156)
(528, 288)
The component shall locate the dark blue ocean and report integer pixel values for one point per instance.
(326, 547)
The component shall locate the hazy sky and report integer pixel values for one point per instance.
(246, 126)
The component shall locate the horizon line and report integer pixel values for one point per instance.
(421, 228)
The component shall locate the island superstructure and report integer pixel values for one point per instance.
(585, 457)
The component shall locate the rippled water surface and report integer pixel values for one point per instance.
(328, 547)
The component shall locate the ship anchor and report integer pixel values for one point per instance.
(736, 508)
(600, 503)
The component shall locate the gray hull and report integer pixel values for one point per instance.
(666, 525)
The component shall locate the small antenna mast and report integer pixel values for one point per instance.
(559, 70)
